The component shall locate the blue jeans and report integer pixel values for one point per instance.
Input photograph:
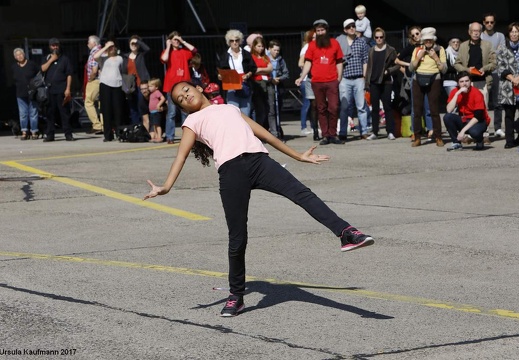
(350, 90)
(28, 110)
(243, 103)
(305, 107)
(238, 177)
(170, 118)
(133, 105)
(454, 125)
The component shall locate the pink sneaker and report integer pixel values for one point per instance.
(352, 239)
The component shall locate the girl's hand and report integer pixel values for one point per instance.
(461, 136)
(155, 190)
(309, 156)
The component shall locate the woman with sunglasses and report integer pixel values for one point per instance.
(240, 60)
(379, 82)
(134, 64)
(428, 63)
(404, 59)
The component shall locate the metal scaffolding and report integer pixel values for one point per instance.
(113, 17)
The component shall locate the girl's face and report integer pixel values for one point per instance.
(416, 35)
(259, 48)
(514, 34)
(189, 98)
(152, 87)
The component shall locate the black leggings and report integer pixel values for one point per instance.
(258, 171)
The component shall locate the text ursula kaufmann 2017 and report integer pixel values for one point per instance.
(37, 352)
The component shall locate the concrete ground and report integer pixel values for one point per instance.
(91, 271)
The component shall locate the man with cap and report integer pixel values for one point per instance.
(324, 58)
(351, 87)
(58, 75)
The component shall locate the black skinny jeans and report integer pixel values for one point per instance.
(382, 92)
(258, 171)
(112, 102)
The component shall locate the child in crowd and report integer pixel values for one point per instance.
(197, 70)
(234, 141)
(363, 25)
(156, 101)
(212, 91)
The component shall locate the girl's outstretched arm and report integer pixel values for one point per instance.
(263, 134)
(186, 143)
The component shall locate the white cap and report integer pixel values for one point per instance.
(348, 22)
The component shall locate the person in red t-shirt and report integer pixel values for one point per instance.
(324, 58)
(176, 56)
(473, 117)
(260, 99)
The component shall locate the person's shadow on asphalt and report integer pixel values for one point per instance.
(279, 293)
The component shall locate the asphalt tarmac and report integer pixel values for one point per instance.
(90, 271)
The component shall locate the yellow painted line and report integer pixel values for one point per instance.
(106, 192)
(98, 153)
(356, 292)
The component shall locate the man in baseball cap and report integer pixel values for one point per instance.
(324, 59)
(54, 41)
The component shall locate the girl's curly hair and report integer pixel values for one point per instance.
(202, 153)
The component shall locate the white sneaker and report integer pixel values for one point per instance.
(372, 137)
(499, 133)
(391, 136)
(306, 132)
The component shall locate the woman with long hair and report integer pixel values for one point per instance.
(307, 93)
(134, 64)
(260, 100)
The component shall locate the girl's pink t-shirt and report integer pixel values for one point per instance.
(154, 100)
(222, 128)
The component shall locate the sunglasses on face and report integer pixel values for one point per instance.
(489, 22)
(415, 34)
(379, 37)
(350, 27)
(133, 43)
(144, 89)
(234, 40)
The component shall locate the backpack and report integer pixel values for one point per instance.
(129, 84)
(133, 133)
(38, 89)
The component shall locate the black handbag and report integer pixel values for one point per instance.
(245, 91)
(425, 80)
(38, 90)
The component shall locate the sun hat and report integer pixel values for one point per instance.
(429, 33)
